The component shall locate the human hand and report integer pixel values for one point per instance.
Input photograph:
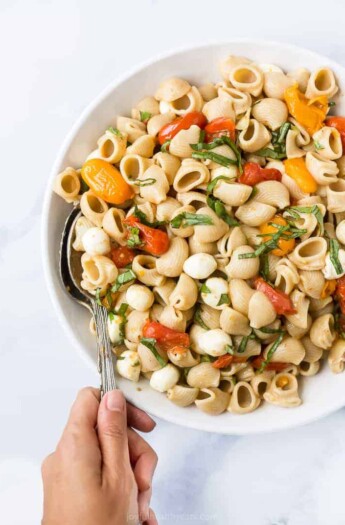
(101, 471)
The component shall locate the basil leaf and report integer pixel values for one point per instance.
(224, 299)
(215, 157)
(218, 207)
(115, 131)
(146, 182)
(268, 330)
(206, 359)
(283, 131)
(150, 343)
(133, 239)
(243, 345)
(164, 147)
(98, 296)
(271, 352)
(122, 279)
(270, 153)
(143, 219)
(334, 256)
(318, 146)
(198, 320)
(331, 103)
(205, 289)
(211, 185)
(315, 210)
(123, 309)
(145, 116)
(230, 349)
(189, 219)
(264, 266)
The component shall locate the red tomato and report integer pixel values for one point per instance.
(340, 293)
(280, 300)
(122, 256)
(166, 336)
(170, 130)
(225, 360)
(218, 127)
(154, 241)
(253, 173)
(277, 367)
(339, 124)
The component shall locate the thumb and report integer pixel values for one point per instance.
(112, 433)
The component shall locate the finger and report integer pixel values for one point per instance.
(79, 439)
(138, 419)
(112, 434)
(143, 458)
(144, 499)
(152, 520)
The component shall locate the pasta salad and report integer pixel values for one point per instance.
(213, 231)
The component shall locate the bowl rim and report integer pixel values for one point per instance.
(48, 271)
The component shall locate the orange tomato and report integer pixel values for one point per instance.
(106, 181)
(284, 245)
(328, 288)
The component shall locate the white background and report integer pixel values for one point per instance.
(55, 57)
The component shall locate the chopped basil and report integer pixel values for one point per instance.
(204, 289)
(331, 103)
(109, 298)
(315, 210)
(270, 153)
(143, 219)
(334, 256)
(206, 359)
(230, 349)
(98, 296)
(268, 330)
(214, 157)
(189, 219)
(115, 131)
(122, 279)
(318, 146)
(271, 352)
(218, 207)
(150, 343)
(281, 134)
(218, 142)
(243, 345)
(133, 239)
(146, 182)
(253, 193)
(121, 358)
(282, 232)
(145, 116)
(213, 183)
(198, 320)
(164, 147)
(224, 299)
(264, 266)
(123, 309)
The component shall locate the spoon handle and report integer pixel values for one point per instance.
(105, 355)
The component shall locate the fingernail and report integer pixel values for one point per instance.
(115, 401)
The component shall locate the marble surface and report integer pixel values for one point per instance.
(56, 56)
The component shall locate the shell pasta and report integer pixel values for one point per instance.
(212, 230)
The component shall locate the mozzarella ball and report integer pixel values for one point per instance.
(200, 265)
(214, 342)
(329, 271)
(128, 365)
(194, 335)
(139, 297)
(96, 241)
(114, 329)
(217, 287)
(165, 378)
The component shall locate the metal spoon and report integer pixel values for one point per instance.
(70, 272)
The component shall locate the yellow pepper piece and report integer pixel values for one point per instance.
(328, 288)
(297, 170)
(309, 113)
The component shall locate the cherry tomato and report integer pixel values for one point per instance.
(153, 241)
(285, 246)
(166, 336)
(225, 360)
(253, 173)
(280, 300)
(277, 367)
(339, 124)
(219, 127)
(340, 293)
(170, 130)
(122, 256)
(105, 181)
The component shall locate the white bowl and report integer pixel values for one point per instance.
(321, 394)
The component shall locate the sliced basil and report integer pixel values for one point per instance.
(150, 343)
(122, 279)
(182, 220)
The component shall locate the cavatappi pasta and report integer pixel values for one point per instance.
(213, 231)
